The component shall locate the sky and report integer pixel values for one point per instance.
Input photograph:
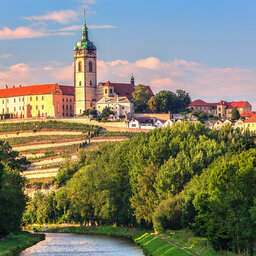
(206, 47)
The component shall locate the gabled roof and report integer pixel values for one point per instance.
(149, 89)
(198, 103)
(121, 89)
(36, 90)
(248, 113)
(251, 119)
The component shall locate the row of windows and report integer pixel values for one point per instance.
(80, 83)
(80, 66)
(67, 100)
(70, 107)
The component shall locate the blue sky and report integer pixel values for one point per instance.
(206, 47)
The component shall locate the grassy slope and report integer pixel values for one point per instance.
(15, 243)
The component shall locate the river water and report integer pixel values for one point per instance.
(87, 245)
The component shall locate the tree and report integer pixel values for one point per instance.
(141, 96)
(183, 99)
(235, 115)
(106, 112)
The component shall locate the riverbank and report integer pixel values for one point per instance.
(15, 243)
(171, 243)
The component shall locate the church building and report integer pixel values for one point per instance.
(54, 100)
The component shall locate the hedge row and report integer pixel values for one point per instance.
(51, 125)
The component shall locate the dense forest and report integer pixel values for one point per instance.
(187, 176)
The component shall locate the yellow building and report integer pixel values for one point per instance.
(47, 100)
(250, 124)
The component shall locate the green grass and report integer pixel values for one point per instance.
(42, 139)
(15, 243)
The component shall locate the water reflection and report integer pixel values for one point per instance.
(73, 244)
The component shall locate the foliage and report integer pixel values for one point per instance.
(168, 214)
(235, 115)
(141, 96)
(166, 101)
(49, 125)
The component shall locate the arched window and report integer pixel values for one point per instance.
(90, 82)
(90, 66)
(80, 83)
(79, 66)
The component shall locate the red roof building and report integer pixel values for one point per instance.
(46, 100)
(221, 109)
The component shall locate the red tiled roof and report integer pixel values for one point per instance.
(248, 113)
(35, 90)
(237, 104)
(230, 105)
(123, 90)
(67, 90)
(198, 103)
(251, 119)
(149, 89)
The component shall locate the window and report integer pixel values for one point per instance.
(42, 106)
(196, 108)
(70, 100)
(14, 100)
(19, 99)
(90, 82)
(3, 110)
(30, 107)
(63, 107)
(66, 100)
(79, 66)
(36, 107)
(7, 101)
(80, 83)
(66, 114)
(3, 101)
(111, 90)
(36, 97)
(134, 125)
(22, 107)
(14, 108)
(42, 97)
(30, 98)
(67, 107)
(63, 100)
(23, 99)
(70, 107)
(106, 91)
(19, 107)
(122, 107)
(63, 114)
(219, 108)
(90, 66)
(42, 114)
(80, 111)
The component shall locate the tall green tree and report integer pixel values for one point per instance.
(141, 96)
(235, 115)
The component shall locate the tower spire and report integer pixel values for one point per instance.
(84, 30)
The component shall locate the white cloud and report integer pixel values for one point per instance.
(201, 81)
(5, 56)
(28, 32)
(62, 16)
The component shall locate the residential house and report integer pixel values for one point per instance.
(250, 124)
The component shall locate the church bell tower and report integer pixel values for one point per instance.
(85, 73)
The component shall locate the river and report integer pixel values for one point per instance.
(57, 244)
